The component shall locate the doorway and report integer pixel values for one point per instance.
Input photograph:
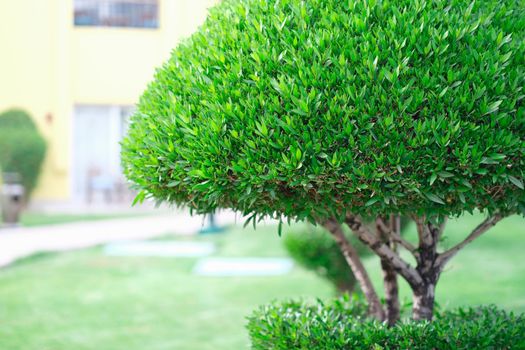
(96, 170)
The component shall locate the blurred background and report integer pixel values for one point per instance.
(77, 67)
(80, 268)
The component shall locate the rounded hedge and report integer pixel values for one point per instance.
(16, 119)
(313, 249)
(22, 147)
(312, 108)
(341, 324)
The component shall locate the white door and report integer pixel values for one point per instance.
(97, 132)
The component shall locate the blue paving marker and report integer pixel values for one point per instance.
(212, 226)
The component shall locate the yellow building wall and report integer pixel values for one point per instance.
(28, 70)
(47, 66)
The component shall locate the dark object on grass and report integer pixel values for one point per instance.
(11, 198)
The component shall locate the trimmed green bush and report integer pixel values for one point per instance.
(311, 109)
(16, 119)
(341, 325)
(313, 249)
(339, 111)
(22, 148)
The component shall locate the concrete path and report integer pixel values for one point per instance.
(19, 242)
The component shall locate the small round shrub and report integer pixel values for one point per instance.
(340, 325)
(16, 119)
(313, 249)
(310, 109)
(22, 148)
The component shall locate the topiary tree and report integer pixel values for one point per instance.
(22, 148)
(338, 112)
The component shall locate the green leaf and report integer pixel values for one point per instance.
(433, 178)
(434, 198)
(443, 92)
(516, 181)
(445, 174)
(493, 107)
(497, 156)
(372, 201)
(139, 198)
(196, 173)
(201, 186)
(276, 86)
(298, 154)
(251, 218)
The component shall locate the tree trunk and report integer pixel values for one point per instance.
(391, 293)
(375, 308)
(423, 302)
(390, 283)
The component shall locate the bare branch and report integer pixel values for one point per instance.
(441, 228)
(383, 251)
(444, 257)
(395, 224)
(396, 237)
(404, 243)
(423, 232)
(390, 283)
(358, 269)
(382, 226)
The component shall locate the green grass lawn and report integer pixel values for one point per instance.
(85, 300)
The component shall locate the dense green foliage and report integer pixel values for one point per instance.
(22, 148)
(313, 249)
(312, 108)
(340, 325)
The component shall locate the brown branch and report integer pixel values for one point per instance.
(382, 250)
(390, 283)
(352, 258)
(444, 257)
(404, 243)
(382, 226)
(423, 232)
(441, 229)
(396, 237)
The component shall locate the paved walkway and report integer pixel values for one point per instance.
(19, 242)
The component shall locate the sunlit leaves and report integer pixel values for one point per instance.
(312, 108)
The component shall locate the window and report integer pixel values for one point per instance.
(117, 13)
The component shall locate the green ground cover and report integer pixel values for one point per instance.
(85, 300)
